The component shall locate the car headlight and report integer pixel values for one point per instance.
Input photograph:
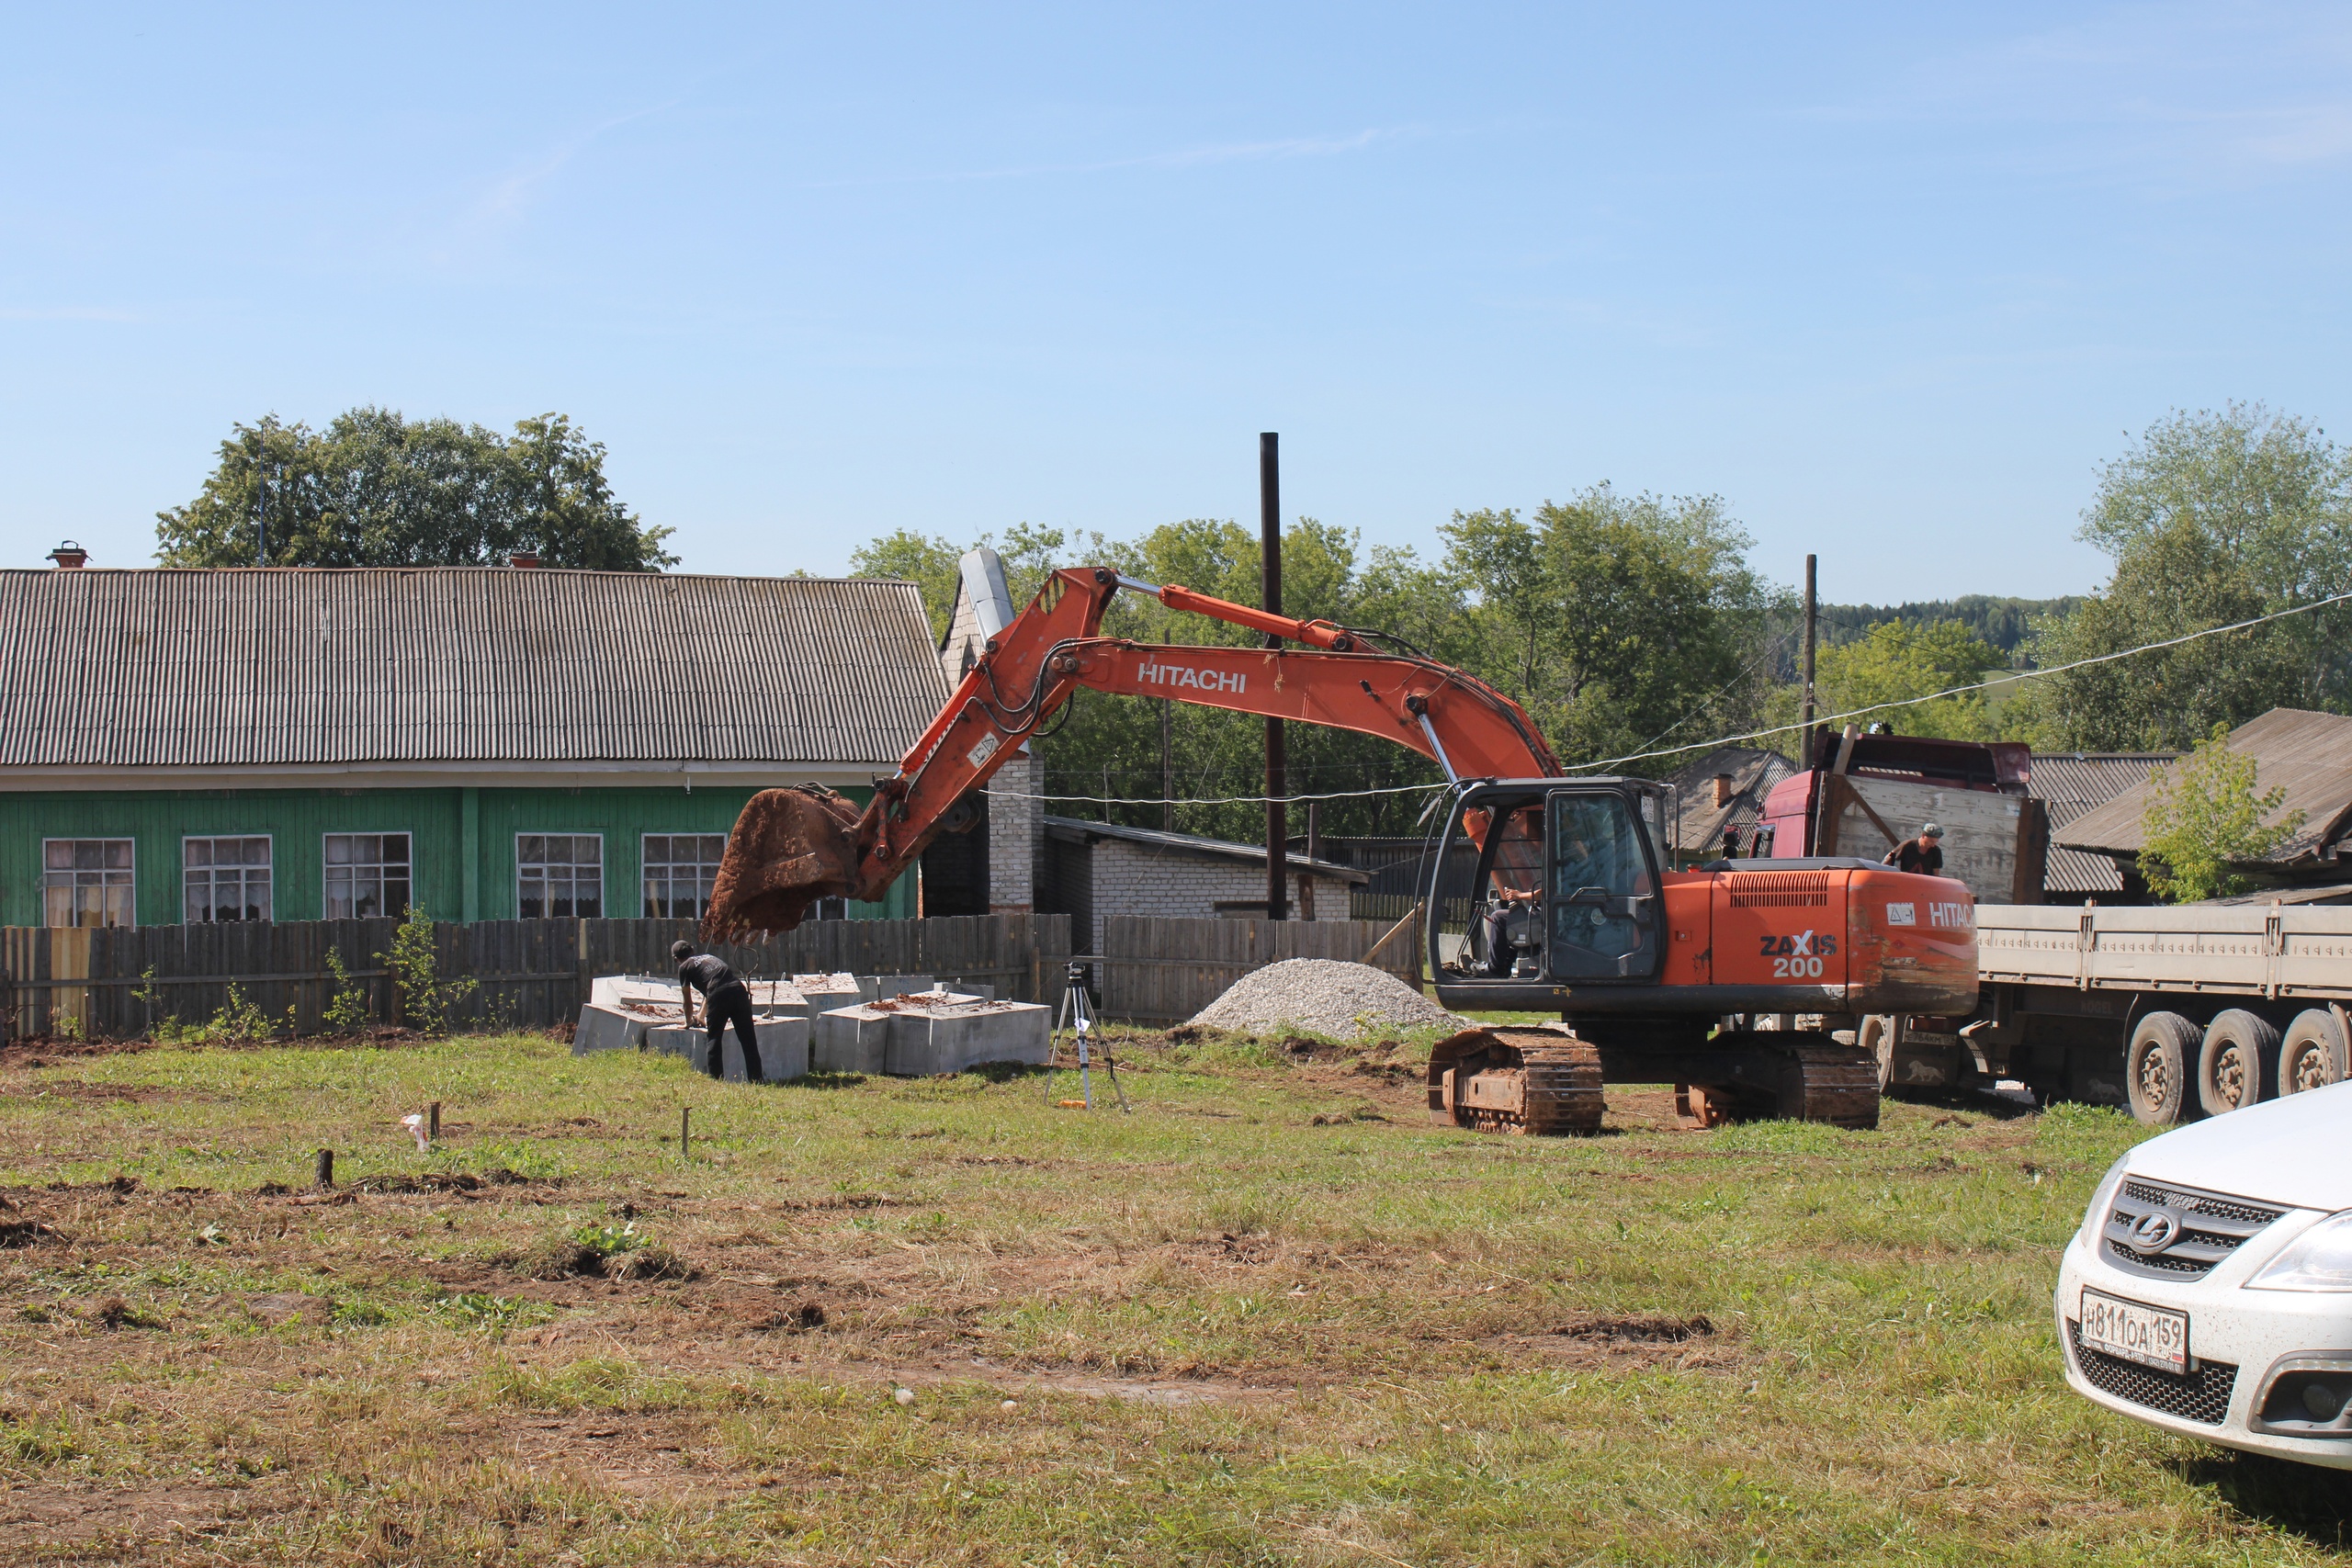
(2095, 1217)
(2319, 1260)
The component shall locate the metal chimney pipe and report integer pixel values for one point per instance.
(1270, 598)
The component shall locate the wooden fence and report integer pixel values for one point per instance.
(121, 981)
(1163, 971)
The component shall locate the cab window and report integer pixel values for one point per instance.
(1603, 898)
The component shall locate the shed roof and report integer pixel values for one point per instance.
(1700, 823)
(1078, 828)
(2307, 754)
(286, 666)
(2071, 785)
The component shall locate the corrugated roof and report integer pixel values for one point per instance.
(2307, 754)
(2071, 785)
(1075, 827)
(289, 666)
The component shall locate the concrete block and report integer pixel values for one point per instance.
(777, 999)
(946, 1033)
(606, 1028)
(621, 990)
(849, 1039)
(825, 992)
(674, 1039)
(878, 988)
(784, 1047)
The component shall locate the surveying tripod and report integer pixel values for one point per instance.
(1078, 1018)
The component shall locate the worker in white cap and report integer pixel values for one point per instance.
(1924, 854)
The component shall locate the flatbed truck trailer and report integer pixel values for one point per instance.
(2176, 1012)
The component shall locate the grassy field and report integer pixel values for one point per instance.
(1273, 1316)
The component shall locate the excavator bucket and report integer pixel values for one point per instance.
(790, 849)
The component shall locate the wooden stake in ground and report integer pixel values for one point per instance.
(433, 1122)
(685, 1119)
(323, 1176)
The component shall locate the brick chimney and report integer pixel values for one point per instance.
(69, 555)
(523, 560)
(1723, 790)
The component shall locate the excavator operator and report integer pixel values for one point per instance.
(1516, 884)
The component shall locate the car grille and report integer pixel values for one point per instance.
(2212, 1228)
(2202, 1395)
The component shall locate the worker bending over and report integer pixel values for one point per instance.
(1924, 854)
(726, 999)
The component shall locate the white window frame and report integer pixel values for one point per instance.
(327, 868)
(574, 881)
(270, 867)
(645, 872)
(130, 872)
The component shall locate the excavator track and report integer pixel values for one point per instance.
(1543, 1082)
(1811, 1082)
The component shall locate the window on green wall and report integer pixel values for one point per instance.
(559, 876)
(86, 882)
(679, 871)
(225, 879)
(368, 875)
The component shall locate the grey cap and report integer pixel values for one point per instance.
(1931, 830)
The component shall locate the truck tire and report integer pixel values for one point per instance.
(2160, 1066)
(2237, 1065)
(1877, 1034)
(2315, 1053)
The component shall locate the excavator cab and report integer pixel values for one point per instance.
(1543, 884)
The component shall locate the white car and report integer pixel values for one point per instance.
(2208, 1290)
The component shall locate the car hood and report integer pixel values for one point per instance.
(2295, 1151)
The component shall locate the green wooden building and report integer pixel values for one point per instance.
(295, 744)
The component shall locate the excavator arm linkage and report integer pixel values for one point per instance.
(792, 847)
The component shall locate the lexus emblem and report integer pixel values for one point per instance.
(2155, 1232)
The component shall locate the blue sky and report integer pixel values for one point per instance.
(1893, 281)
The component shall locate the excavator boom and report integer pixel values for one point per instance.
(793, 847)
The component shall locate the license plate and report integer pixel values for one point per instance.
(2153, 1336)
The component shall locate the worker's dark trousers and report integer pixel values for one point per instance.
(732, 1004)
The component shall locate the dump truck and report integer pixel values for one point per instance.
(2177, 1012)
(1863, 794)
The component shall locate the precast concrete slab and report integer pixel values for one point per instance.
(849, 1039)
(825, 992)
(674, 1039)
(619, 990)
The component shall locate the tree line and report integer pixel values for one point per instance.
(1630, 627)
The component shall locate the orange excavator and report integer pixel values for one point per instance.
(1739, 981)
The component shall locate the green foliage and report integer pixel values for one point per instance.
(377, 488)
(1612, 619)
(2203, 817)
(1616, 621)
(2211, 518)
(2008, 625)
(426, 1000)
(1897, 660)
(346, 1009)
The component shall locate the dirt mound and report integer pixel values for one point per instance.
(1347, 1001)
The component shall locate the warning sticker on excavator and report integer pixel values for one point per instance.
(1902, 914)
(979, 755)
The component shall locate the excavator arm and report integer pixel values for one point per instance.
(793, 847)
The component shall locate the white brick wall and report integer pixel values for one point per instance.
(1137, 879)
(1016, 828)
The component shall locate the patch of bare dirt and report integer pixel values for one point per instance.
(145, 1515)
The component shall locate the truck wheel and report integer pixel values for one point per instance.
(1877, 1035)
(2238, 1065)
(2315, 1053)
(2159, 1067)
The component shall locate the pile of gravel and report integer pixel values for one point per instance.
(1322, 996)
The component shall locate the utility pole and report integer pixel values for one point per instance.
(1270, 598)
(261, 515)
(1812, 612)
(1167, 768)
